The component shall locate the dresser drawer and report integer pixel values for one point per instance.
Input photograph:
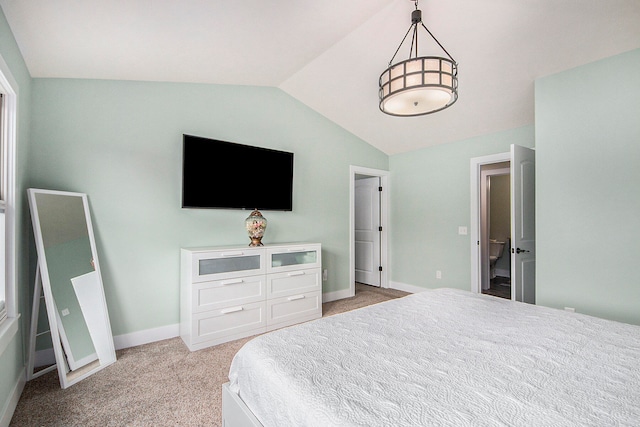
(227, 292)
(293, 282)
(226, 264)
(294, 309)
(292, 258)
(218, 323)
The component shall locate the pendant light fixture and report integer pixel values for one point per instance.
(418, 85)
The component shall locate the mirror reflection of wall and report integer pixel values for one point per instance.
(68, 253)
(500, 219)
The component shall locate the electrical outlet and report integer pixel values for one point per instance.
(325, 274)
(438, 274)
(65, 311)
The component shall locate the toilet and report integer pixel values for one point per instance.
(495, 251)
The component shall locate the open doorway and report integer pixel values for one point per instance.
(495, 229)
(368, 228)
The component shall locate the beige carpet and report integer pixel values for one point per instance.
(158, 384)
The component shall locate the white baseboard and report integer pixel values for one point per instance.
(47, 357)
(12, 402)
(336, 295)
(503, 272)
(171, 331)
(44, 357)
(147, 336)
(406, 287)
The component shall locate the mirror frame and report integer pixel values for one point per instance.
(67, 377)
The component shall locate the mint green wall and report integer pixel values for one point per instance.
(500, 216)
(430, 198)
(587, 177)
(13, 357)
(65, 261)
(121, 143)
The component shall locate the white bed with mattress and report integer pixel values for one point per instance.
(440, 357)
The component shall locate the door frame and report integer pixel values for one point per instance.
(384, 222)
(476, 164)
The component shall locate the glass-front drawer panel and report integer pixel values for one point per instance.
(226, 265)
(293, 258)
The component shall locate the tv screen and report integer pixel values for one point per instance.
(220, 174)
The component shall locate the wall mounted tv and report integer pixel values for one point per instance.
(226, 175)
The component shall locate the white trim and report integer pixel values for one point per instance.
(10, 110)
(134, 339)
(406, 287)
(336, 295)
(475, 165)
(147, 336)
(44, 357)
(384, 222)
(8, 330)
(12, 402)
(502, 272)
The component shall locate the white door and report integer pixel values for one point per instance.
(523, 228)
(367, 231)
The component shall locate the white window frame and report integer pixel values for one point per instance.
(9, 89)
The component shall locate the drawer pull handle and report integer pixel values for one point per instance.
(234, 253)
(296, 273)
(231, 310)
(231, 282)
(297, 297)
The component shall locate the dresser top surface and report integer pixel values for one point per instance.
(247, 247)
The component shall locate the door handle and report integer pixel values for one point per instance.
(231, 310)
(518, 250)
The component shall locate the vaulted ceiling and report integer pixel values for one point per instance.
(328, 54)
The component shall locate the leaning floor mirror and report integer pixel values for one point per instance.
(69, 273)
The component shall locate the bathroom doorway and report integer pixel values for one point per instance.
(495, 229)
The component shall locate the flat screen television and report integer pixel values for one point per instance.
(225, 175)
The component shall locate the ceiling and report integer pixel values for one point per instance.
(328, 54)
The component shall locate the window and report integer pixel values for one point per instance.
(3, 281)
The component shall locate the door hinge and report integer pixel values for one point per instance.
(380, 268)
(380, 228)
(379, 188)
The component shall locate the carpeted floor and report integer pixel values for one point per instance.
(157, 384)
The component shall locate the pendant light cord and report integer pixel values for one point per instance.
(414, 26)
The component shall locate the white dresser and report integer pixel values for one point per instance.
(227, 293)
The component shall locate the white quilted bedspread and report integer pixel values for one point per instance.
(444, 357)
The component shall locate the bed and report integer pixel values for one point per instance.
(440, 357)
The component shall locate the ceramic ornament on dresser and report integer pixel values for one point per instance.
(255, 224)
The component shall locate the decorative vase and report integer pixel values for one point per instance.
(255, 224)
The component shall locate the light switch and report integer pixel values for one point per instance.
(462, 230)
(65, 311)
